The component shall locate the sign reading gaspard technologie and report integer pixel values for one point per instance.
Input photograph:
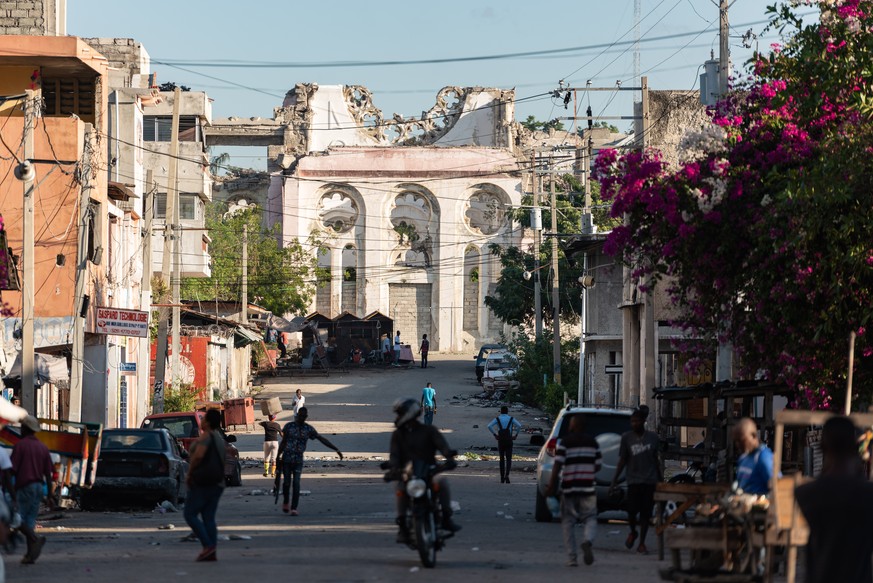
(120, 322)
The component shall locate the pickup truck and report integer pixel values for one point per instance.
(185, 427)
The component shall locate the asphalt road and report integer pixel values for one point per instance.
(345, 531)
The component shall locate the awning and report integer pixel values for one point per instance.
(243, 337)
(282, 325)
(48, 369)
(119, 191)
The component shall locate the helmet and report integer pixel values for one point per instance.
(406, 410)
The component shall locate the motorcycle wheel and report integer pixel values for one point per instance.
(426, 539)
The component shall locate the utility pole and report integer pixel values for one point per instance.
(169, 236)
(148, 205)
(556, 296)
(244, 315)
(537, 224)
(648, 340)
(633, 326)
(28, 393)
(724, 59)
(79, 313)
(724, 352)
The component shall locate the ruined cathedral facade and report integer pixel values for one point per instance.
(400, 212)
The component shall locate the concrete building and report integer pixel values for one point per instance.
(72, 79)
(140, 127)
(401, 212)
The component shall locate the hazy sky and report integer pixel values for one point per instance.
(191, 33)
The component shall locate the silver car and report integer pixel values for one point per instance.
(607, 426)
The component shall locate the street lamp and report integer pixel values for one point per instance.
(538, 311)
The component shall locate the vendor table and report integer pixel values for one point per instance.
(685, 496)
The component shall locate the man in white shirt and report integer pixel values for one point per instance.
(298, 402)
(397, 348)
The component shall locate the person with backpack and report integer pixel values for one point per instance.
(206, 484)
(507, 428)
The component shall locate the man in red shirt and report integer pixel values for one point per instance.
(32, 466)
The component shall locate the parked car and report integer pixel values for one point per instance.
(484, 351)
(607, 426)
(500, 370)
(137, 464)
(185, 426)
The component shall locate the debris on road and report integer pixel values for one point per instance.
(166, 506)
(166, 526)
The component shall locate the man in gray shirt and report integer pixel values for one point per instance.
(638, 454)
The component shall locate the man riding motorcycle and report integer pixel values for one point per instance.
(414, 441)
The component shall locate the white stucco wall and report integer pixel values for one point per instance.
(373, 179)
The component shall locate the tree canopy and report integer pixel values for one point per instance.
(513, 299)
(764, 232)
(281, 279)
(533, 124)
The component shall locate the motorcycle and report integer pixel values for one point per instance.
(424, 514)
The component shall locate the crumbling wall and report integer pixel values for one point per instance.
(124, 54)
(31, 17)
(671, 114)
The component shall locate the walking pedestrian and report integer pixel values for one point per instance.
(271, 444)
(295, 436)
(577, 461)
(206, 484)
(387, 351)
(839, 509)
(638, 453)
(33, 468)
(425, 346)
(507, 431)
(397, 347)
(298, 402)
(428, 403)
(280, 344)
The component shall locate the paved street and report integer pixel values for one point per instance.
(346, 528)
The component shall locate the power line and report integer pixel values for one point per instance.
(251, 64)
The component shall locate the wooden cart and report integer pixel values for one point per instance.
(786, 526)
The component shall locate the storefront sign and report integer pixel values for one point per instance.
(120, 322)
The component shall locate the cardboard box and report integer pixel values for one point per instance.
(271, 406)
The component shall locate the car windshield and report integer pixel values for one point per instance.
(501, 362)
(179, 427)
(597, 424)
(132, 440)
(486, 350)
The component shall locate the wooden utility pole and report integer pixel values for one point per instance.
(148, 205)
(169, 237)
(556, 295)
(79, 314)
(244, 314)
(724, 55)
(537, 225)
(28, 393)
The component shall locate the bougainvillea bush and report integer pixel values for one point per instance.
(763, 233)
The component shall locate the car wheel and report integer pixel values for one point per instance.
(235, 479)
(542, 512)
